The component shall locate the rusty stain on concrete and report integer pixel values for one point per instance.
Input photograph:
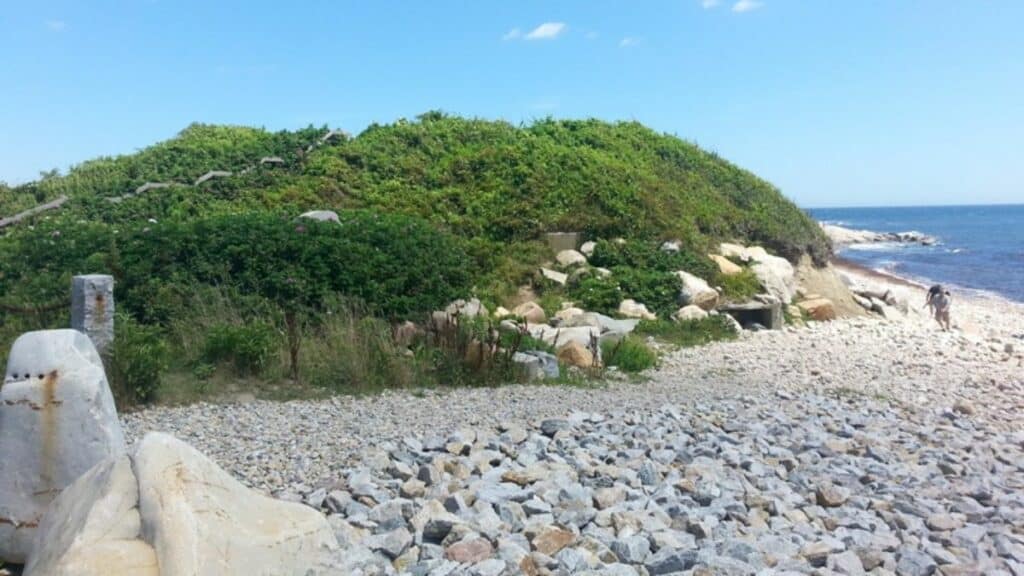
(48, 425)
(99, 318)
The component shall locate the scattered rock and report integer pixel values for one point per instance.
(697, 292)
(690, 313)
(321, 215)
(820, 309)
(576, 354)
(633, 309)
(550, 539)
(831, 496)
(531, 312)
(569, 258)
(554, 276)
(725, 266)
(469, 551)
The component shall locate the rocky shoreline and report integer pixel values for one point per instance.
(857, 446)
(841, 236)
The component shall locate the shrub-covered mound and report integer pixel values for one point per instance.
(482, 179)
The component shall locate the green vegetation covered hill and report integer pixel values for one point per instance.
(479, 178)
(432, 209)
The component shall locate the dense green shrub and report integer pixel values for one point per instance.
(597, 294)
(394, 264)
(692, 333)
(138, 359)
(738, 287)
(249, 347)
(629, 355)
(659, 291)
(648, 256)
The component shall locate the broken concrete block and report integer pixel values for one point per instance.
(92, 308)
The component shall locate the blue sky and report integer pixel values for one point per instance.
(837, 102)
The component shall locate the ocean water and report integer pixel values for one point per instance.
(981, 248)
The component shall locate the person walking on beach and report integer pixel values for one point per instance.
(939, 301)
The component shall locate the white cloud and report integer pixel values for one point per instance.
(546, 31)
(709, 4)
(545, 105)
(56, 25)
(592, 35)
(512, 34)
(742, 6)
(628, 41)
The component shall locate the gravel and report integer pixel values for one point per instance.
(850, 447)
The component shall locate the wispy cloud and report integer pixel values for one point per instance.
(742, 6)
(56, 25)
(545, 105)
(629, 41)
(546, 31)
(592, 35)
(512, 34)
(709, 4)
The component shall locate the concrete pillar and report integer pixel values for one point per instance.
(92, 308)
(559, 241)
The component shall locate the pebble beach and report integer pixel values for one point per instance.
(862, 445)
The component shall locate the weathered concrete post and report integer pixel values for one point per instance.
(92, 308)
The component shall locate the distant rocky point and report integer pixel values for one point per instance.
(845, 236)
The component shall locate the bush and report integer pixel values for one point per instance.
(649, 256)
(138, 359)
(739, 287)
(692, 333)
(659, 291)
(394, 264)
(597, 294)
(629, 355)
(248, 347)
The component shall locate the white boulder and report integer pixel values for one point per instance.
(466, 308)
(671, 246)
(588, 248)
(94, 527)
(777, 276)
(531, 312)
(321, 215)
(697, 292)
(554, 276)
(566, 314)
(202, 522)
(170, 511)
(632, 309)
(734, 251)
(689, 314)
(57, 420)
(567, 258)
(725, 266)
(558, 337)
(602, 322)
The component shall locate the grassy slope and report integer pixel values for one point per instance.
(482, 179)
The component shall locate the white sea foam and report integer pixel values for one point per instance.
(876, 247)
